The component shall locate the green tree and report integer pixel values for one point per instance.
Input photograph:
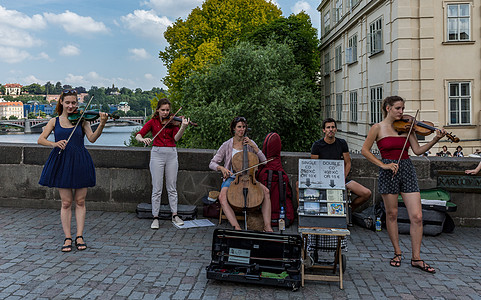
(262, 83)
(58, 88)
(200, 40)
(297, 32)
(12, 117)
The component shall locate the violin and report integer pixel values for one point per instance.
(89, 115)
(176, 121)
(245, 193)
(423, 128)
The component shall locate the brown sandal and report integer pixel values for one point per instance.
(394, 262)
(425, 267)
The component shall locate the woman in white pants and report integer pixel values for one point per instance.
(163, 158)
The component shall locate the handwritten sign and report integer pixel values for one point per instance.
(321, 174)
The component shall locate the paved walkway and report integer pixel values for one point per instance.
(128, 260)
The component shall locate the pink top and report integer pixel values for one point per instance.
(391, 147)
(225, 154)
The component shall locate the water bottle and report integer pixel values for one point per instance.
(282, 223)
(378, 224)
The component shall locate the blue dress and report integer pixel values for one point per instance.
(73, 168)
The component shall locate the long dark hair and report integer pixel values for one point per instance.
(389, 101)
(234, 122)
(159, 104)
(59, 107)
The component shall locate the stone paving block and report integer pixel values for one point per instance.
(168, 262)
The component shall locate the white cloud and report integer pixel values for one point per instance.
(9, 36)
(32, 79)
(17, 19)
(301, 6)
(173, 8)
(139, 54)
(75, 24)
(147, 24)
(13, 55)
(149, 76)
(69, 50)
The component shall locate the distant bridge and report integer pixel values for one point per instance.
(36, 125)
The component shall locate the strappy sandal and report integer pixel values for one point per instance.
(67, 248)
(396, 262)
(425, 267)
(80, 245)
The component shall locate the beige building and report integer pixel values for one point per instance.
(13, 89)
(8, 109)
(427, 52)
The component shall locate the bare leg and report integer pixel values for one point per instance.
(80, 211)
(414, 207)
(229, 213)
(390, 202)
(363, 194)
(66, 195)
(266, 209)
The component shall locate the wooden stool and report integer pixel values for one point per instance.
(223, 217)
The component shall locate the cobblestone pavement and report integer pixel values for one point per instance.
(128, 260)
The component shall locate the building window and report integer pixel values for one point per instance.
(338, 11)
(376, 102)
(328, 106)
(353, 106)
(327, 21)
(339, 106)
(352, 3)
(338, 58)
(458, 22)
(375, 36)
(327, 68)
(459, 103)
(351, 51)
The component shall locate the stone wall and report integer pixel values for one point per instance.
(123, 178)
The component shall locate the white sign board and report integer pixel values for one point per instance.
(321, 174)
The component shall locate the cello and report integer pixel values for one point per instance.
(245, 193)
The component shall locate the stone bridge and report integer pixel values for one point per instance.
(123, 178)
(36, 125)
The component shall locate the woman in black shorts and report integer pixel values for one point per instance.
(395, 179)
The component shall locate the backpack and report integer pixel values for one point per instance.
(273, 176)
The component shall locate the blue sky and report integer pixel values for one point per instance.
(95, 42)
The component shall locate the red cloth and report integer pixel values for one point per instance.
(391, 147)
(165, 138)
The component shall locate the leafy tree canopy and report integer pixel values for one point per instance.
(200, 39)
(261, 83)
(297, 32)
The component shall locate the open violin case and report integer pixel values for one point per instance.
(186, 212)
(256, 257)
(436, 203)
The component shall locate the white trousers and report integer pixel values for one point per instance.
(164, 160)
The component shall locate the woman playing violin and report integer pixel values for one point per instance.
(69, 166)
(163, 158)
(238, 128)
(399, 178)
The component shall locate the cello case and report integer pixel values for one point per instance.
(273, 176)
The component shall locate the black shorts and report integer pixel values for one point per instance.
(405, 180)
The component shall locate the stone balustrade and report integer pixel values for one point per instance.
(123, 178)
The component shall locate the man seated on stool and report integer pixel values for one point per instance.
(331, 147)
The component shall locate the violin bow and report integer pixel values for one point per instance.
(262, 163)
(75, 127)
(171, 118)
(405, 142)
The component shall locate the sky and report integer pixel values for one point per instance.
(95, 42)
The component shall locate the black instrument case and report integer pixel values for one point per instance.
(256, 257)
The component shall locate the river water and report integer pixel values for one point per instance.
(111, 136)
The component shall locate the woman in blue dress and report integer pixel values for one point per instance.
(69, 166)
